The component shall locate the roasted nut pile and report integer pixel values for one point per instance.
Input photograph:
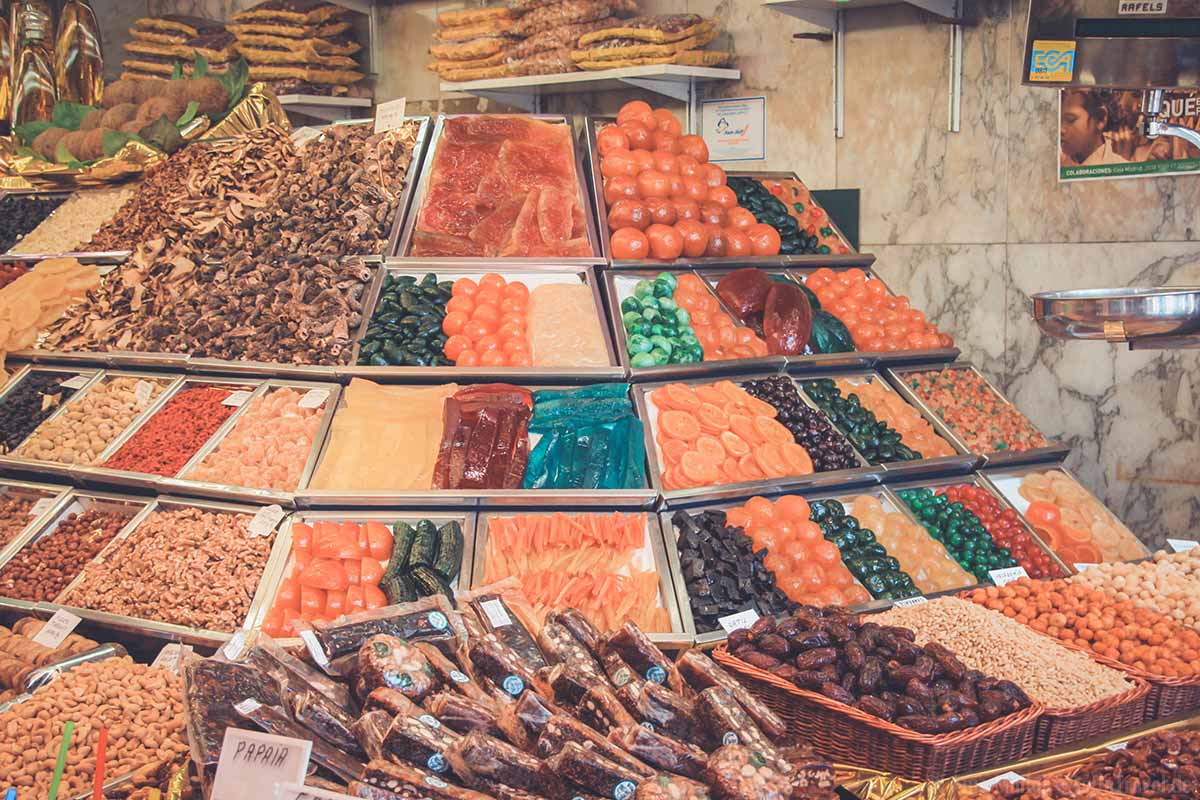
(1162, 765)
(87, 426)
(75, 221)
(30, 402)
(20, 655)
(878, 669)
(40, 571)
(1039, 789)
(14, 516)
(992, 643)
(186, 566)
(141, 706)
(175, 433)
(1168, 584)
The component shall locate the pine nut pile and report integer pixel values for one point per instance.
(996, 645)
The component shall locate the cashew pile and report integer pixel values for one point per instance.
(1168, 584)
(994, 644)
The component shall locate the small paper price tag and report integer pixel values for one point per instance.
(56, 629)
(389, 115)
(1182, 545)
(171, 656)
(735, 622)
(1080, 566)
(78, 382)
(236, 399)
(41, 506)
(910, 601)
(1007, 575)
(1117, 746)
(314, 398)
(1011, 777)
(496, 613)
(265, 520)
(142, 392)
(252, 763)
(233, 648)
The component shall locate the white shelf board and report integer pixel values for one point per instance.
(672, 80)
(821, 12)
(323, 107)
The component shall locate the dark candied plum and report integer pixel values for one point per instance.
(828, 449)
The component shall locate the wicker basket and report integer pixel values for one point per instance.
(842, 733)
(1062, 726)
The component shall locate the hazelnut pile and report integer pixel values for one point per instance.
(40, 571)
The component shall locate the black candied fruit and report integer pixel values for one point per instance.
(810, 428)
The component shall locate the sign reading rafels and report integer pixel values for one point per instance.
(1100, 133)
(735, 128)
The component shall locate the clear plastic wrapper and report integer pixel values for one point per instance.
(738, 772)
(370, 730)
(591, 771)
(661, 752)
(726, 723)
(547, 62)
(274, 721)
(664, 710)
(533, 712)
(508, 617)
(671, 787)
(557, 38)
(453, 675)
(568, 12)
(560, 730)
(701, 672)
(566, 684)
(580, 627)
(495, 662)
(324, 718)
(560, 646)
(633, 645)
(408, 783)
(483, 761)
(393, 701)
(266, 654)
(464, 715)
(422, 741)
(601, 709)
(386, 661)
(334, 645)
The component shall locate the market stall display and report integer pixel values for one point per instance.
(963, 534)
(1072, 522)
(877, 319)
(1158, 766)
(22, 213)
(21, 506)
(73, 223)
(1004, 526)
(1167, 583)
(31, 397)
(605, 565)
(812, 430)
(920, 555)
(34, 300)
(652, 39)
(786, 204)
(500, 187)
(1039, 789)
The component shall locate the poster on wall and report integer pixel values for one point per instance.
(1100, 135)
(734, 128)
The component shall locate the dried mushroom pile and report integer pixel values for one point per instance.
(278, 222)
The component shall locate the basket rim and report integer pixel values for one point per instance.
(1138, 691)
(1129, 669)
(994, 728)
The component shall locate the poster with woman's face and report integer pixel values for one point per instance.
(1100, 135)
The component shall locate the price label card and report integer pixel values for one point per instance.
(252, 763)
(314, 398)
(389, 115)
(142, 392)
(236, 399)
(233, 648)
(56, 629)
(41, 506)
(78, 382)
(496, 613)
(1080, 567)
(265, 520)
(735, 622)
(1011, 777)
(1182, 545)
(910, 601)
(170, 656)
(1117, 746)
(1007, 575)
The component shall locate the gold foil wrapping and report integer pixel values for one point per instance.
(257, 109)
(78, 55)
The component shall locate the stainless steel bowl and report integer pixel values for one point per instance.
(1118, 315)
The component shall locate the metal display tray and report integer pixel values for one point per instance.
(44, 495)
(84, 256)
(961, 463)
(401, 251)
(994, 478)
(1120, 315)
(682, 635)
(864, 475)
(169, 631)
(448, 269)
(309, 498)
(1054, 451)
(10, 464)
(975, 479)
(592, 126)
(268, 590)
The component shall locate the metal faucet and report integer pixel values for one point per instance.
(1155, 123)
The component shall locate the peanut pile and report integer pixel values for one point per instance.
(141, 706)
(991, 642)
(1168, 584)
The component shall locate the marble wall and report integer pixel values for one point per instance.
(968, 223)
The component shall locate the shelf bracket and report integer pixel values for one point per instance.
(530, 102)
(839, 74)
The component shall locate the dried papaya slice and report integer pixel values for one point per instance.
(771, 460)
(698, 469)
(673, 450)
(734, 445)
(710, 447)
(712, 418)
(798, 458)
(680, 396)
(749, 466)
(679, 425)
(772, 431)
(745, 428)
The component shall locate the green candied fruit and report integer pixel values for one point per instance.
(651, 315)
(641, 328)
(662, 343)
(643, 289)
(660, 356)
(631, 304)
(639, 344)
(631, 318)
(668, 279)
(682, 317)
(658, 329)
(667, 305)
(662, 290)
(643, 360)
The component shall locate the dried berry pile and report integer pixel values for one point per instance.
(28, 404)
(19, 214)
(877, 669)
(175, 433)
(829, 449)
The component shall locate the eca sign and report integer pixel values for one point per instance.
(1052, 61)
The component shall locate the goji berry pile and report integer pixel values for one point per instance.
(1005, 528)
(173, 435)
(963, 399)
